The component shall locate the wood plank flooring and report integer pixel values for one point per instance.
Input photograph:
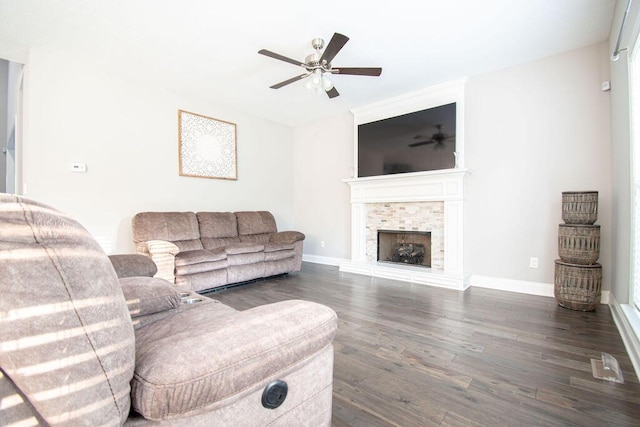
(413, 355)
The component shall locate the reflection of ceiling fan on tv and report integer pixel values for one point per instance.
(439, 138)
(318, 65)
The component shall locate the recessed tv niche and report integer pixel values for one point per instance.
(415, 142)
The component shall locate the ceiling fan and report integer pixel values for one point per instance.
(438, 138)
(317, 65)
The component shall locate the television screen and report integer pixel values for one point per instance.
(414, 142)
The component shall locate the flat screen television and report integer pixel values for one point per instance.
(415, 142)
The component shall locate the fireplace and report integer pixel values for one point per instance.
(423, 202)
(405, 247)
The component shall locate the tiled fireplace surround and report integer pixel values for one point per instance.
(427, 201)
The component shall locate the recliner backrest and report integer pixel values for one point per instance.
(67, 338)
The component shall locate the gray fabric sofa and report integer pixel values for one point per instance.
(205, 250)
(86, 340)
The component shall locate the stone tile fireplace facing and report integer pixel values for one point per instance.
(426, 202)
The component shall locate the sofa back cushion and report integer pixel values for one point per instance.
(67, 338)
(215, 225)
(257, 222)
(170, 226)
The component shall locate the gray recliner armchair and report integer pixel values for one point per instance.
(80, 346)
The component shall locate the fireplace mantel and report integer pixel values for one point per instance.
(446, 186)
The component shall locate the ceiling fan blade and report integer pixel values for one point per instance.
(274, 55)
(291, 80)
(337, 42)
(417, 144)
(367, 71)
(332, 93)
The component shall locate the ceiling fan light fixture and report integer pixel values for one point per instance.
(317, 78)
(317, 82)
(327, 84)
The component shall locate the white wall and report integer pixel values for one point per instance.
(126, 133)
(531, 132)
(323, 157)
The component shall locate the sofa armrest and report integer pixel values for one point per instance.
(163, 254)
(133, 265)
(286, 236)
(157, 247)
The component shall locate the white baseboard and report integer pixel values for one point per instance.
(628, 322)
(519, 286)
(522, 286)
(317, 259)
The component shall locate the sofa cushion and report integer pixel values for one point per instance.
(243, 248)
(148, 295)
(188, 245)
(255, 238)
(234, 352)
(278, 255)
(217, 224)
(257, 222)
(171, 226)
(218, 242)
(199, 256)
(276, 251)
(277, 246)
(201, 267)
(67, 337)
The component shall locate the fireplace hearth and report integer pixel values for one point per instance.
(405, 247)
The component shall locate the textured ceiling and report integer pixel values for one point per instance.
(209, 48)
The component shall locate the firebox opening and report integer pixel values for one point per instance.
(405, 247)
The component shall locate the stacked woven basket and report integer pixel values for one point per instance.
(578, 277)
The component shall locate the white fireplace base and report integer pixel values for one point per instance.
(407, 273)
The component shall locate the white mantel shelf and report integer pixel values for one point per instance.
(444, 185)
(408, 187)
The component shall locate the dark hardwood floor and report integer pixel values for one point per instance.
(413, 355)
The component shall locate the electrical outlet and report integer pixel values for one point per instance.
(533, 262)
(322, 243)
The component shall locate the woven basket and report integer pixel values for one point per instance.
(580, 207)
(579, 244)
(577, 287)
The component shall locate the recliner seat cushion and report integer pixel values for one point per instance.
(197, 372)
